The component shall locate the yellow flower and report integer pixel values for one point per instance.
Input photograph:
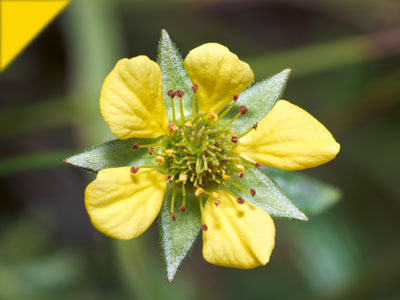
(124, 202)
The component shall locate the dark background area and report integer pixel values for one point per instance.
(345, 57)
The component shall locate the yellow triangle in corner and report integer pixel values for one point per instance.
(21, 22)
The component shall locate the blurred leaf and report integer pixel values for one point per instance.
(310, 195)
(259, 99)
(329, 55)
(140, 270)
(178, 237)
(268, 196)
(28, 162)
(41, 276)
(26, 119)
(113, 154)
(174, 76)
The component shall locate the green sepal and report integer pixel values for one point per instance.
(174, 76)
(178, 237)
(259, 100)
(113, 154)
(310, 195)
(269, 195)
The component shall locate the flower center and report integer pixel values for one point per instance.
(200, 152)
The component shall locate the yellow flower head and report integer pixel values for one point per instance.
(123, 202)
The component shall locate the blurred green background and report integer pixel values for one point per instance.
(345, 57)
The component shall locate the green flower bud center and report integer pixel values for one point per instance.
(201, 151)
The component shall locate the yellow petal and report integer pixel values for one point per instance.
(219, 74)
(123, 205)
(131, 100)
(238, 235)
(289, 138)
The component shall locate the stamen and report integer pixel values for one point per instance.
(173, 215)
(169, 152)
(189, 124)
(171, 94)
(217, 202)
(204, 227)
(182, 178)
(151, 150)
(229, 108)
(194, 89)
(255, 126)
(149, 145)
(179, 94)
(231, 121)
(240, 200)
(243, 109)
(173, 199)
(212, 116)
(199, 191)
(252, 192)
(225, 177)
(160, 159)
(243, 134)
(257, 165)
(136, 146)
(241, 175)
(241, 168)
(168, 177)
(134, 170)
(236, 98)
(215, 195)
(234, 139)
(182, 208)
(183, 194)
(171, 128)
(239, 187)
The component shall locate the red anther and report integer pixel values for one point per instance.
(173, 215)
(234, 139)
(134, 170)
(240, 200)
(179, 93)
(252, 192)
(236, 98)
(167, 177)
(151, 150)
(241, 175)
(204, 227)
(194, 88)
(255, 126)
(182, 208)
(243, 109)
(217, 202)
(136, 146)
(257, 165)
(171, 94)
